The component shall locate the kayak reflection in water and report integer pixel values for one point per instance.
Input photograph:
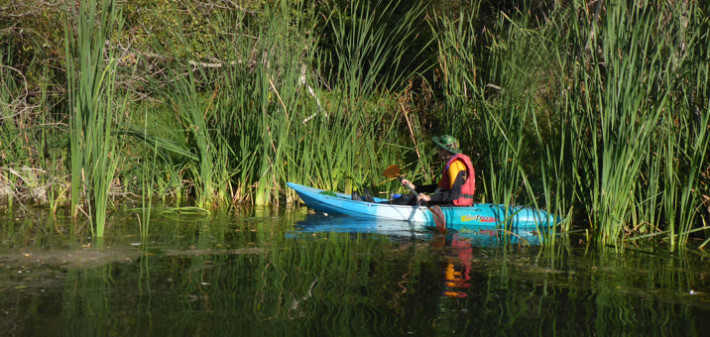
(456, 185)
(457, 266)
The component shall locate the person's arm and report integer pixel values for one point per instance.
(426, 188)
(420, 188)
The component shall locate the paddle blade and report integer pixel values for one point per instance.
(392, 171)
(439, 218)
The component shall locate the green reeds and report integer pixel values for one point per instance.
(374, 45)
(268, 108)
(94, 106)
(633, 83)
(147, 184)
(12, 150)
(189, 102)
(601, 110)
(459, 59)
(375, 50)
(594, 111)
(190, 109)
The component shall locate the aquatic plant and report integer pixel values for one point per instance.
(147, 186)
(630, 93)
(599, 109)
(93, 106)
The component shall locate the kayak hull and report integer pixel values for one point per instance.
(457, 218)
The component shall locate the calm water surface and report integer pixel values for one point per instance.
(289, 273)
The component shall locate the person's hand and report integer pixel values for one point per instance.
(407, 183)
(423, 197)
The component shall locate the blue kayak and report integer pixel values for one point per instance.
(457, 218)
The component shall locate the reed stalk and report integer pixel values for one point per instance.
(91, 72)
(147, 185)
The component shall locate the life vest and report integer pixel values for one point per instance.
(469, 186)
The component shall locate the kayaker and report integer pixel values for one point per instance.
(458, 179)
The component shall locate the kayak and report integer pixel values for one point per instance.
(457, 218)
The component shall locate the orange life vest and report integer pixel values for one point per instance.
(469, 186)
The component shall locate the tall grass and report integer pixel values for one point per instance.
(596, 111)
(267, 115)
(459, 59)
(375, 50)
(8, 133)
(601, 112)
(626, 120)
(27, 137)
(372, 45)
(91, 78)
(636, 107)
(15, 148)
(190, 109)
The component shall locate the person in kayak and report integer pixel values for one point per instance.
(458, 179)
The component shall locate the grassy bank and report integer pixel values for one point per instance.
(595, 111)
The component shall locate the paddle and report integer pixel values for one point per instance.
(392, 171)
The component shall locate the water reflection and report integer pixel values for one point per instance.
(304, 275)
(87, 298)
(480, 236)
(457, 264)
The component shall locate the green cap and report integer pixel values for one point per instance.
(447, 143)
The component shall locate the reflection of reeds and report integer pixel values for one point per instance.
(337, 284)
(87, 298)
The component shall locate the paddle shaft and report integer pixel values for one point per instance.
(410, 187)
(435, 211)
(392, 171)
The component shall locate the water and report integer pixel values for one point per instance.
(286, 273)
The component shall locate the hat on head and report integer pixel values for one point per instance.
(448, 143)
